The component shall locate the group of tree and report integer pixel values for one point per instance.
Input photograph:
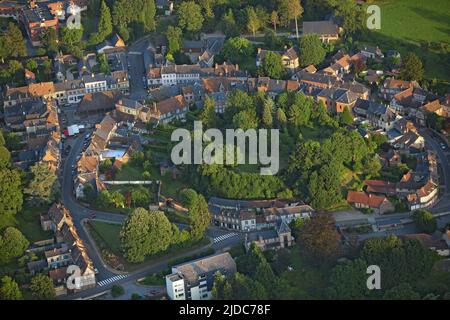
(312, 50)
(105, 26)
(316, 169)
(425, 221)
(11, 194)
(255, 280)
(12, 43)
(41, 287)
(403, 264)
(225, 182)
(412, 67)
(272, 66)
(137, 16)
(236, 17)
(318, 239)
(43, 187)
(147, 233)
(9, 289)
(198, 213)
(12, 245)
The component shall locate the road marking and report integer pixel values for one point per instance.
(224, 237)
(134, 52)
(112, 279)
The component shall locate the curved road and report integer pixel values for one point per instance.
(80, 213)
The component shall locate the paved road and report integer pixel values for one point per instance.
(138, 57)
(434, 141)
(443, 205)
(80, 213)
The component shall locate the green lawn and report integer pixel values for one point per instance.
(416, 20)
(109, 234)
(406, 24)
(129, 172)
(28, 222)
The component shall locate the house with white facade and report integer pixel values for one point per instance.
(194, 280)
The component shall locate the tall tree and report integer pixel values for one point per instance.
(11, 197)
(43, 186)
(412, 68)
(200, 217)
(208, 115)
(290, 10)
(173, 35)
(425, 221)
(254, 22)
(311, 50)
(268, 108)
(5, 157)
(12, 245)
(50, 40)
(272, 66)
(351, 12)
(190, 16)
(145, 233)
(9, 290)
(346, 117)
(13, 42)
(236, 50)
(319, 238)
(229, 25)
(105, 26)
(41, 287)
(274, 19)
(149, 12)
(281, 117)
(348, 281)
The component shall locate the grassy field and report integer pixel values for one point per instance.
(28, 222)
(109, 233)
(407, 24)
(416, 20)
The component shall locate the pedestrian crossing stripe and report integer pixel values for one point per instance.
(111, 280)
(224, 237)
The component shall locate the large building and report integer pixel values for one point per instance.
(194, 280)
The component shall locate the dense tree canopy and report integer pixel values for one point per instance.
(311, 50)
(235, 50)
(9, 290)
(41, 287)
(43, 186)
(190, 16)
(11, 197)
(12, 43)
(425, 221)
(402, 261)
(319, 238)
(174, 35)
(272, 66)
(412, 68)
(348, 281)
(145, 233)
(12, 245)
